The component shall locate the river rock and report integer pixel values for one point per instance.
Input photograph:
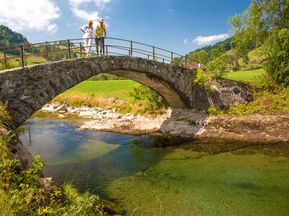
(112, 100)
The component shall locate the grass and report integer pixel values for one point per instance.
(16, 62)
(96, 93)
(246, 76)
(5, 206)
(103, 89)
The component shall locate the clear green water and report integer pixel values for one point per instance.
(208, 179)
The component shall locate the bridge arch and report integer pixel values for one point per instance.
(26, 90)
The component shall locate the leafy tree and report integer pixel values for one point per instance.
(10, 38)
(219, 65)
(277, 51)
(198, 57)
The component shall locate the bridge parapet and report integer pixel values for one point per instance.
(28, 54)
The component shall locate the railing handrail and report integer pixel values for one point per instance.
(70, 46)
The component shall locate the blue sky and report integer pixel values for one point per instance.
(177, 25)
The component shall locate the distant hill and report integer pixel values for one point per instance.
(223, 56)
(207, 54)
(10, 38)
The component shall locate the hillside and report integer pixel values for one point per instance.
(10, 38)
(223, 56)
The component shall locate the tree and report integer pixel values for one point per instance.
(219, 66)
(277, 51)
(198, 57)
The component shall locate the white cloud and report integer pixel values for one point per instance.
(84, 14)
(204, 40)
(186, 41)
(33, 14)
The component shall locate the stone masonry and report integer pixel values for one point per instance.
(26, 90)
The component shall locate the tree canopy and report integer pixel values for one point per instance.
(10, 38)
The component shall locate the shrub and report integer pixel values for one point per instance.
(144, 93)
(277, 52)
(202, 79)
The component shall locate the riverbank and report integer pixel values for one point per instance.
(180, 123)
(108, 119)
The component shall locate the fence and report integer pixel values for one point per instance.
(28, 54)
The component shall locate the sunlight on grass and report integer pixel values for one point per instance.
(104, 89)
(248, 75)
(5, 208)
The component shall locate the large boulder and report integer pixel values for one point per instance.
(225, 93)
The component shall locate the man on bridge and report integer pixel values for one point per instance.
(100, 34)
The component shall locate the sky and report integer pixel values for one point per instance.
(177, 25)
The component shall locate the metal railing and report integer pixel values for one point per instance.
(28, 54)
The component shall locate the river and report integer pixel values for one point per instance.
(145, 179)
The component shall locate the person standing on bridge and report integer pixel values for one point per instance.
(88, 36)
(100, 34)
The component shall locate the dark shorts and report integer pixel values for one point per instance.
(99, 41)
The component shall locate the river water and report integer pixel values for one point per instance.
(193, 179)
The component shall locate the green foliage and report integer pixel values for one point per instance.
(265, 83)
(28, 197)
(144, 93)
(208, 53)
(81, 205)
(10, 38)
(198, 57)
(277, 65)
(202, 79)
(219, 65)
(266, 23)
(22, 191)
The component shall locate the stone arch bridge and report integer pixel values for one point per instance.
(27, 89)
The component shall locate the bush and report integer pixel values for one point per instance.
(202, 79)
(144, 93)
(277, 52)
(265, 83)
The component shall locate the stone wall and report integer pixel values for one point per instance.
(27, 90)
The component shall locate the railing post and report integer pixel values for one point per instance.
(163, 60)
(5, 60)
(22, 55)
(69, 51)
(131, 47)
(154, 53)
(106, 49)
(172, 57)
(80, 49)
(46, 52)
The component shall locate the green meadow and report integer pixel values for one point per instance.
(247, 75)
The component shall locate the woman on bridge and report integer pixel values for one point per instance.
(87, 36)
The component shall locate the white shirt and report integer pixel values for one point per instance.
(88, 32)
